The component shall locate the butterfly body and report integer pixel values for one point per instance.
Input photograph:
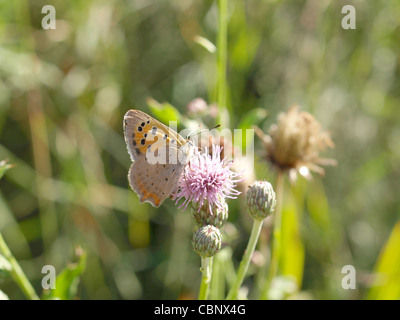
(159, 156)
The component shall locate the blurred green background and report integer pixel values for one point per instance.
(63, 94)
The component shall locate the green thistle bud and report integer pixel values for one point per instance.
(261, 199)
(217, 218)
(207, 241)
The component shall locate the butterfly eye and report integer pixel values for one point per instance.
(143, 142)
(140, 129)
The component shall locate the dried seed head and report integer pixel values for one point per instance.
(294, 143)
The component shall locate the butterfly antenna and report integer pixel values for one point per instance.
(188, 136)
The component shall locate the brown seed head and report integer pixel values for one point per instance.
(294, 143)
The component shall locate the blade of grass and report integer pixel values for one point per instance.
(16, 272)
(387, 282)
(222, 48)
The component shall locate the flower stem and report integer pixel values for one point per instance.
(206, 269)
(16, 272)
(276, 245)
(244, 264)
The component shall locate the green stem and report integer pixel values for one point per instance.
(206, 269)
(16, 272)
(244, 264)
(276, 244)
(222, 48)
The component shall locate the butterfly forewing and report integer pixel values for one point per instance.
(142, 131)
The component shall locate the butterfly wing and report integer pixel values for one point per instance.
(142, 130)
(153, 182)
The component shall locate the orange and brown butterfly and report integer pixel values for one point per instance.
(152, 176)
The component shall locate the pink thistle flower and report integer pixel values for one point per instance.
(207, 179)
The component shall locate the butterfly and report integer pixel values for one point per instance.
(159, 156)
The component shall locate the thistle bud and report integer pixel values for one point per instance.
(207, 241)
(260, 199)
(216, 217)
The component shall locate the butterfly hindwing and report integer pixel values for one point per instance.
(154, 183)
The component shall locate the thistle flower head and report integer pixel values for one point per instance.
(207, 180)
(295, 142)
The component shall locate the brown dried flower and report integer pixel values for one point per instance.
(294, 143)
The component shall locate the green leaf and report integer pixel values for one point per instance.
(319, 211)
(68, 280)
(164, 112)
(293, 252)
(386, 285)
(253, 117)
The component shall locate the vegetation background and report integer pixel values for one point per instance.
(63, 94)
